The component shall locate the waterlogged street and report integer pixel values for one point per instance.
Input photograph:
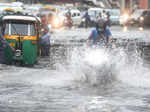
(84, 80)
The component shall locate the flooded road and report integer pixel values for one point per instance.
(93, 80)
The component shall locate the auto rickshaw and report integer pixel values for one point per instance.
(22, 31)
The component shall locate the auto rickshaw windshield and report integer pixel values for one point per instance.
(20, 28)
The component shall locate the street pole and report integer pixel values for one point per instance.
(126, 5)
(122, 8)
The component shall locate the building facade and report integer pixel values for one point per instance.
(132, 4)
(48, 1)
(144, 4)
(5, 1)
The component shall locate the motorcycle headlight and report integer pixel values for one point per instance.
(83, 19)
(42, 29)
(124, 17)
(141, 28)
(141, 18)
(49, 26)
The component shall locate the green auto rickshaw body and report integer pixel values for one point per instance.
(22, 32)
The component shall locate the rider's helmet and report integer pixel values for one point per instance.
(101, 25)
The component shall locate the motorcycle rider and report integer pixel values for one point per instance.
(68, 18)
(104, 14)
(101, 35)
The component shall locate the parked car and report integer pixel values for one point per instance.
(134, 19)
(114, 16)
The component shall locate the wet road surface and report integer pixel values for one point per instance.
(91, 81)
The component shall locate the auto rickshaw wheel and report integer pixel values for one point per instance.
(18, 63)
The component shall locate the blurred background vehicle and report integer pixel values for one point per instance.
(94, 13)
(114, 16)
(124, 18)
(145, 18)
(51, 16)
(135, 17)
(13, 6)
(75, 16)
(32, 9)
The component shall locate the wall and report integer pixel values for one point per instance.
(148, 4)
(143, 4)
(5, 1)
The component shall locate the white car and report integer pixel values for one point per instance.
(76, 17)
(114, 16)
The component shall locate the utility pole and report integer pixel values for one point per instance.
(122, 8)
(126, 5)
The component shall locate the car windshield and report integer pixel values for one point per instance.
(94, 12)
(138, 12)
(20, 28)
(115, 12)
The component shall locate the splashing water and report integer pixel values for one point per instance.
(91, 65)
(96, 57)
(102, 66)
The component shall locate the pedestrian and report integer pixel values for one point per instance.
(3, 45)
(87, 19)
(45, 43)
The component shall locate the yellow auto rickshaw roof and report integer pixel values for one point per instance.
(19, 17)
(9, 9)
(50, 7)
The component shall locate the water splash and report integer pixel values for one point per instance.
(130, 68)
(102, 66)
(90, 65)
